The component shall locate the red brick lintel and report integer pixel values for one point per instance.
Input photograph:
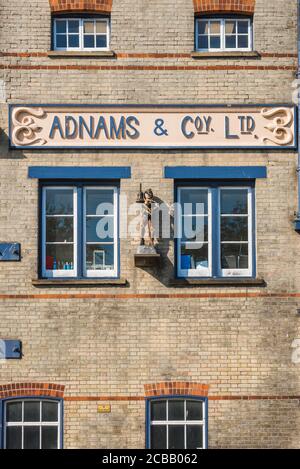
(31, 389)
(71, 6)
(224, 6)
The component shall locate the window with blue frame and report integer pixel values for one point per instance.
(81, 34)
(79, 230)
(177, 423)
(227, 34)
(215, 230)
(32, 424)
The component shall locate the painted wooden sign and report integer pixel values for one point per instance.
(157, 127)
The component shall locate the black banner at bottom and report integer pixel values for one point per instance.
(133, 458)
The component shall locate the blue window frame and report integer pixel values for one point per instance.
(86, 33)
(32, 423)
(215, 232)
(177, 422)
(229, 34)
(79, 229)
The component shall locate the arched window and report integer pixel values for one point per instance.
(224, 26)
(177, 422)
(32, 423)
(81, 25)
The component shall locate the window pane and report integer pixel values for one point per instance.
(158, 410)
(215, 27)
(31, 437)
(99, 229)
(194, 256)
(59, 201)
(230, 42)
(61, 41)
(234, 256)
(194, 229)
(176, 437)
(13, 437)
(202, 27)
(194, 410)
(234, 201)
(194, 437)
(243, 42)
(59, 229)
(176, 409)
(14, 412)
(49, 438)
(89, 42)
(59, 256)
(88, 27)
(234, 229)
(99, 257)
(99, 202)
(73, 27)
(215, 42)
(101, 27)
(202, 42)
(31, 411)
(194, 201)
(49, 412)
(230, 27)
(61, 27)
(73, 40)
(242, 27)
(101, 41)
(158, 437)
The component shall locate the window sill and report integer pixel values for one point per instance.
(109, 54)
(226, 55)
(113, 282)
(218, 282)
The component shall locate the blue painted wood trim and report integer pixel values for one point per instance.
(215, 235)
(79, 185)
(215, 172)
(253, 232)
(37, 398)
(81, 173)
(214, 185)
(174, 396)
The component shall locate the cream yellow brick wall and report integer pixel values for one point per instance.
(240, 346)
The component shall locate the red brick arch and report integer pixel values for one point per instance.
(224, 6)
(31, 389)
(183, 388)
(67, 6)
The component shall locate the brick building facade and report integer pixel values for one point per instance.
(224, 342)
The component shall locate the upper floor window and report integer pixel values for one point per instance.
(81, 34)
(224, 34)
(79, 225)
(215, 235)
(177, 424)
(32, 424)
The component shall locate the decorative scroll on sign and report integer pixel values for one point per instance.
(51, 126)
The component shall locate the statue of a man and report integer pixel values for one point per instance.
(146, 218)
